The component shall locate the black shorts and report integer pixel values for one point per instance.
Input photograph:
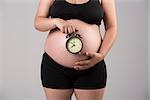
(56, 76)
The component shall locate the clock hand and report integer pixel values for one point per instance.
(73, 45)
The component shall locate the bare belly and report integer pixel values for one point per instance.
(56, 40)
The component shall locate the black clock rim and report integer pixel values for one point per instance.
(68, 41)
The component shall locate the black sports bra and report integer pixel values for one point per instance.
(90, 12)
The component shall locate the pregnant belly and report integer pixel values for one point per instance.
(56, 40)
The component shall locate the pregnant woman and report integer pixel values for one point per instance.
(74, 50)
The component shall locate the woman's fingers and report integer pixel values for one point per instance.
(82, 67)
(81, 63)
(74, 29)
(87, 54)
(71, 29)
(68, 29)
(65, 26)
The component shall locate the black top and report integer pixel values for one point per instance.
(90, 12)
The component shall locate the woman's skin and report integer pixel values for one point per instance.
(43, 23)
(90, 34)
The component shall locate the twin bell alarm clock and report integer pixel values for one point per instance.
(74, 43)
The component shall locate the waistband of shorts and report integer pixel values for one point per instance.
(49, 59)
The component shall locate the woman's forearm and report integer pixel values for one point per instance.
(44, 24)
(108, 40)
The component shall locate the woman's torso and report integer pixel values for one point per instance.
(86, 17)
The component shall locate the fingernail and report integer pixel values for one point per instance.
(86, 53)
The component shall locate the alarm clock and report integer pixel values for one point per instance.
(74, 43)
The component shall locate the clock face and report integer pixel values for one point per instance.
(74, 45)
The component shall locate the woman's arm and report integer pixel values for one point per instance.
(110, 23)
(41, 21)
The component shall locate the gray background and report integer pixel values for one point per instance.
(21, 48)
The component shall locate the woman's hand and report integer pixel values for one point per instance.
(85, 64)
(65, 26)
